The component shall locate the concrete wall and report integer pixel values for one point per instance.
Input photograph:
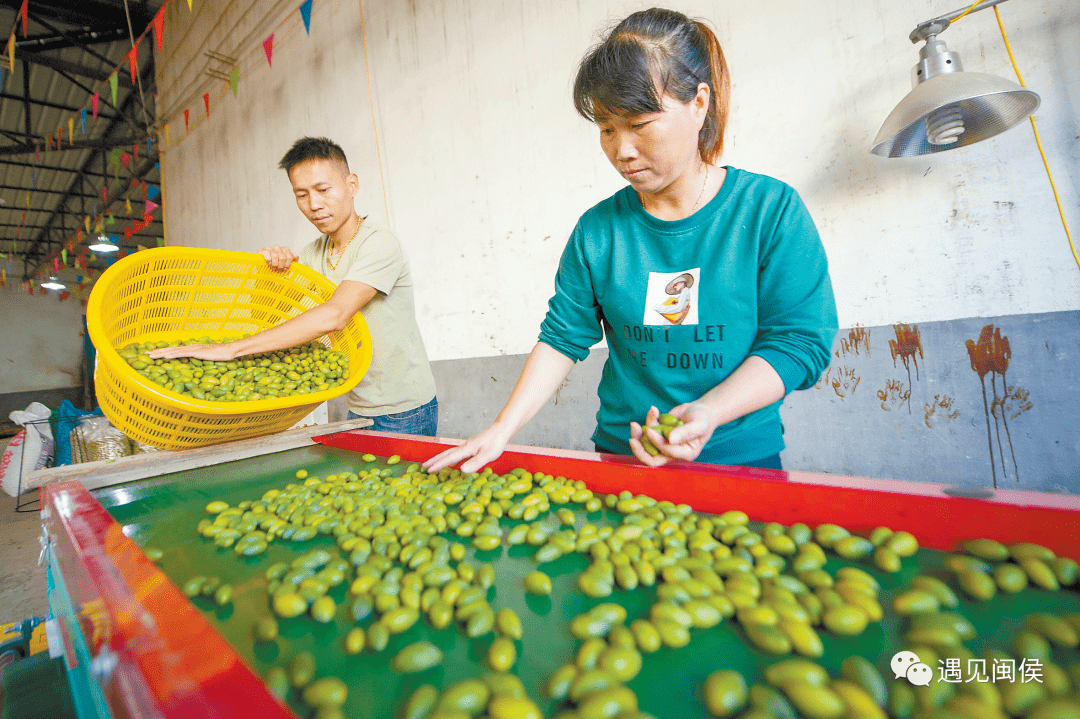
(482, 166)
(40, 344)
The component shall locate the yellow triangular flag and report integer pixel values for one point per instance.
(71, 129)
(86, 221)
(188, 7)
(11, 50)
(127, 205)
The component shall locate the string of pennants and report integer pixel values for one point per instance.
(72, 253)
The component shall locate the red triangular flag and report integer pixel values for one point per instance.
(185, 120)
(64, 295)
(159, 25)
(125, 159)
(147, 219)
(138, 226)
(133, 59)
(105, 194)
(95, 100)
(127, 233)
(22, 11)
(206, 101)
(268, 48)
(135, 152)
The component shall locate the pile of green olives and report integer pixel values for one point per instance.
(398, 542)
(308, 368)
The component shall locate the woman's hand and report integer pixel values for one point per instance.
(214, 353)
(279, 258)
(684, 442)
(479, 451)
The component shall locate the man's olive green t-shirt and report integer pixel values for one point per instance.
(399, 378)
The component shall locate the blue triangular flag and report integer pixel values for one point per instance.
(305, 12)
(149, 150)
(157, 166)
(152, 192)
(82, 119)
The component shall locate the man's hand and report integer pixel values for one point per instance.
(479, 450)
(214, 353)
(684, 442)
(278, 258)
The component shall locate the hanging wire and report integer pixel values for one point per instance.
(138, 75)
(371, 103)
(957, 18)
(1035, 129)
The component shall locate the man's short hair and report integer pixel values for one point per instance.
(313, 148)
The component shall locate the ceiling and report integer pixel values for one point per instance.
(67, 55)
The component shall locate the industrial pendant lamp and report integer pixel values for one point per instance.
(950, 108)
(53, 284)
(102, 244)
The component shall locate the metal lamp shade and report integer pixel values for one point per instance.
(986, 104)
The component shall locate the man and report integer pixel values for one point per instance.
(367, 264)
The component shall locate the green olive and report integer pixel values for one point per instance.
(538, 583)
(502, 654)
(417, 657)
(725, 693)
(302, 669)
(328, 691)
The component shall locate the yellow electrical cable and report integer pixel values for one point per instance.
(1035, 129)
(371, 102)
(957, 18)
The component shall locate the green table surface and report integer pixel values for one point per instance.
(163, 512)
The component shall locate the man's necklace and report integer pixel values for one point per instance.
(330, 245)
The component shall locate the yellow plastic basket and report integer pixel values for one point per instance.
(170, 293)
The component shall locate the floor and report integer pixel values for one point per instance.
(22, 581)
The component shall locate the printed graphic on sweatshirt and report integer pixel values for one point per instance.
(671, 298)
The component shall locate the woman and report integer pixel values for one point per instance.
(657, 88)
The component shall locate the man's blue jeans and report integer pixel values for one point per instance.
(423, 420)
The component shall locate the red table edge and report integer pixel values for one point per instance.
(167, 653)
(937, 520)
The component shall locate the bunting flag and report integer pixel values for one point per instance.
(104, 194)
(189, 5)
(268, 48)
(206, 101)
(147, 219)
(234, 79)
(11, 52)
(159, 25)
(125, 160)
(64, 295)
(135, 152)
(150, 207)
(94, 100)
(86, 222)
(167, 143)
(161, 242)
(127, 205)
(305, 12)
(71, 130)
(133, 59)
(23, 13)
(138, 226)
(59, 134)
(113, 80)
(110, 220)
(97, 226)
(78, 235)
(127, 233)
(82, 119)
(152, 192)
(186, 127)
